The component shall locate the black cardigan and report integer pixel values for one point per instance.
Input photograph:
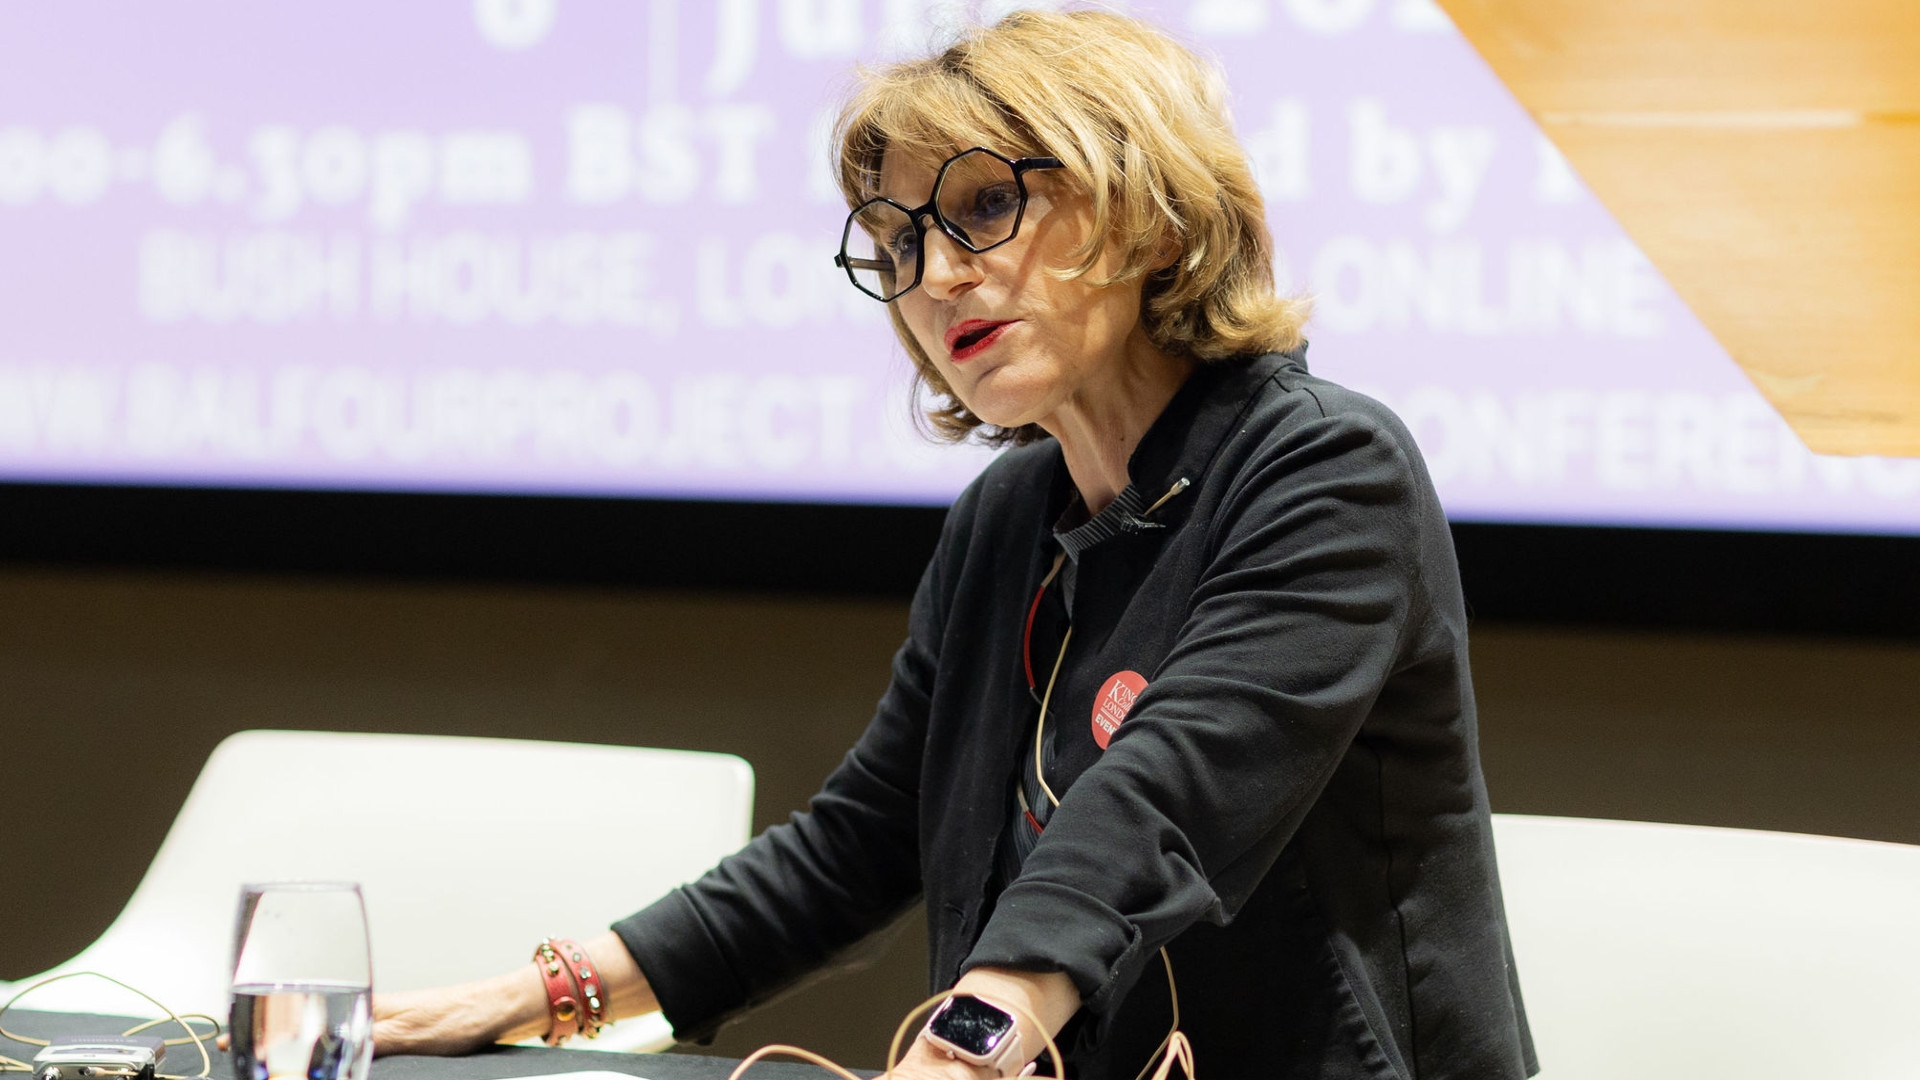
(1293, 806)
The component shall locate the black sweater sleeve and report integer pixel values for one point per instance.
(800, 894)
(1293, 630)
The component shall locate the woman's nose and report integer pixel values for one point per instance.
(948, 269)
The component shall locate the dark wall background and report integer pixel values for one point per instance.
(1801, 732)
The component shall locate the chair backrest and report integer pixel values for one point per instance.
(468, 852)
(1657, 951)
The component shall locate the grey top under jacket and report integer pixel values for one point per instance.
(1293, 806)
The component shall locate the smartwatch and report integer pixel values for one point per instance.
(977, 1032)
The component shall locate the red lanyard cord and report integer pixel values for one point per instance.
(1026, 638)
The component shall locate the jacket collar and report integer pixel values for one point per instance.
(1183, 440)
(1180, 444)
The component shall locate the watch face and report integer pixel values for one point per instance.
(972, 1025)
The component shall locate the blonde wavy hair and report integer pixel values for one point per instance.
(1141, 123)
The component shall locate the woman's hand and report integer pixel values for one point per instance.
(922, 1062)
(505, 1008)
(461, 1019)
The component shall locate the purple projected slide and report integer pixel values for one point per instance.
(584, 246)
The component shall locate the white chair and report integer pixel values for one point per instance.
(1669, 951)
(468, 851)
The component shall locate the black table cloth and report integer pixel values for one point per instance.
(494, 1063)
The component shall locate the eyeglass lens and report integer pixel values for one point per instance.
(977, 200)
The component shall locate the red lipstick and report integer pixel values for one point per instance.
(972, 336)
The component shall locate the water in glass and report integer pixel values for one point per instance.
(301, 984)
(294, 1030)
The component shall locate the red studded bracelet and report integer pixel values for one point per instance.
(575, 997)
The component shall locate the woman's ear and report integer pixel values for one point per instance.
(1166, 251)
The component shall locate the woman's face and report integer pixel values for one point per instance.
(1046, 342)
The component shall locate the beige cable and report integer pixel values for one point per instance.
(1179, 486)
(1039, 773)
(1165, 1052)
(1174, 1049)
(893, 1049)
(1175, 1046)
(8, 1064)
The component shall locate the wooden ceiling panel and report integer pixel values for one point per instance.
(1765, 154)
(1701, 54)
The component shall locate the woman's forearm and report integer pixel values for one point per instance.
(509, 1007)
(517, 1001)
(628, 992)
(521, 996)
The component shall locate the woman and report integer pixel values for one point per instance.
(1185, 694)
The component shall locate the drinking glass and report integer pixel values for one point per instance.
(302, 983)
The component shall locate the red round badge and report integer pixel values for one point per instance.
(1110, 706)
